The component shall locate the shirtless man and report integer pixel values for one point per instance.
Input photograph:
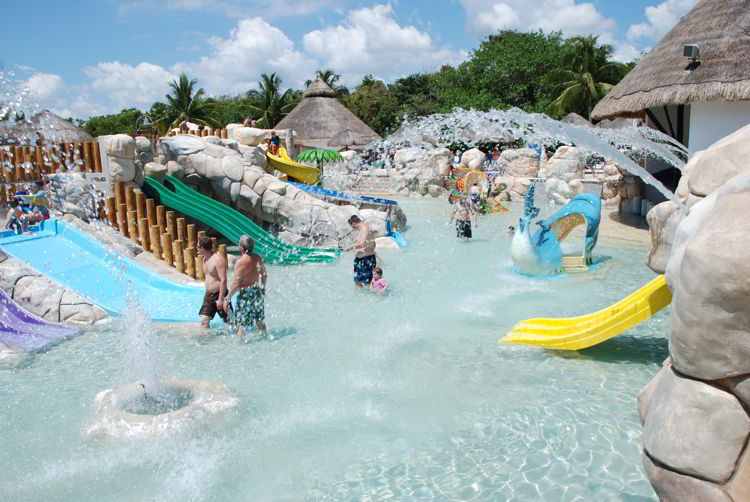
(364, 252)
(215, 272)
(250, 280)
(463, 210)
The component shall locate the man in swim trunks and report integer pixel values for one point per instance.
(250, 281)
(215, 272)
(364, 251)
(463, 209)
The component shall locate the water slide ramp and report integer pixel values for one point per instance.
(20, 328)
(574, 333)
(308, 175)
(92, 270)
(231, 223)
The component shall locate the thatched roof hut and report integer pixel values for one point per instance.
(320, 116)
(575, 119)
(45, 124)
(721, 28)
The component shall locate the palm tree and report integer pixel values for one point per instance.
(185, 101)
(329, 77)
(271, 105)
(587, 79)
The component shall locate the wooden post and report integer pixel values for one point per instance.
(192, 233)
(97, 158)
(28, 160)
(40, 160)
(140, 204)
(161, 218)
(223, 251)
(224, 134)
(172, 225)
(199, 274)
(190, 259)
(119, 193)
(166, 247)
(133, 226)
(155, 240)
(143, 231)
(18, 163)
(213, 244)
(151, 212)
(88, 164)
(122, 219)
(182, 233)
(130, 198)
(112, 211)
(179, 257)
(201, 234)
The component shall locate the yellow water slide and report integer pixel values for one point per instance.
(300, 173)
(574, 333)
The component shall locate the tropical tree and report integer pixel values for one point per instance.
(186, 101)
(269, 103)
(589, 76)
(329, 77)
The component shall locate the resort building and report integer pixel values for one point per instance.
(694, 85)
(320, 121)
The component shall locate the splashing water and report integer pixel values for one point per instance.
(142, 350)
(471, 127)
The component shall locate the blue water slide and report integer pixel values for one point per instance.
(100, 275)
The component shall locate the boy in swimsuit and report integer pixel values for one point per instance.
(364, 250)
(250, 281)
(463, 209)
(215, 272)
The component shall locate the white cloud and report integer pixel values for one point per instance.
(123, 85)
(660, 19)
(369, 40)
(253, 47)
(44, 85)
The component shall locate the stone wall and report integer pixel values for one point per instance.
(695, 410)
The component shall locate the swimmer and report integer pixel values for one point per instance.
(511, 230)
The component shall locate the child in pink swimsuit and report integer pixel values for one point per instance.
(378, 284)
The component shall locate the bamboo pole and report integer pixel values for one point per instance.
(88, 165)
(122, 219)
(192, 236)
(199, 274)
(155, 240)
(223, 251)
(140, 204)
(182, 233)
(112, 211)
(133, 226)
(190, 259)
(166, 246)
(97, 158)
(130, 198)
(151, 212)
(161, 218)
(213, 244)
(172, 225)
(143, 233)
(17, 162)
(179, 258)
(119, 193)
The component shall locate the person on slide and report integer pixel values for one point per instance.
(250, 283)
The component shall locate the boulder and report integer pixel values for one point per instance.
(270, 203)
(253, 156)
(662, 220)
(567, 164)
(720, 162)
(521, 162)
(473, 159)
(249, 201)
(674, 487)
(120, 151)
(233, 167)
(694, 428)
(175, 169)
(278, 187)
(407, 155)
(435, 190)
(710, 328)
(249, 136)
(156, 171)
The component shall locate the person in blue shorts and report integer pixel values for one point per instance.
(364, 252)
(250, 284)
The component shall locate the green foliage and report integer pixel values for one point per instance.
(319, 156)
(373, 104)
(186, 102)
(329, 77)
(117, 123)
(269, 103)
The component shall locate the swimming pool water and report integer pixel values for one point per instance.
(364, 397)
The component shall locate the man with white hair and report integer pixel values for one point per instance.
(250, 284)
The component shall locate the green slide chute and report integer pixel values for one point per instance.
(231, 223)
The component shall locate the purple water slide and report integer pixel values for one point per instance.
(23, 329)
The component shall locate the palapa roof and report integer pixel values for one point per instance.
(45, 123)
(575, 119)
(722, 30)
(320, 116)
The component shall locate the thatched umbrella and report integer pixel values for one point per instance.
(319, 116)
(345, 138)
(44, 124)
(721, 28)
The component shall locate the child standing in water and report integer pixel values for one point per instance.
(378, 284)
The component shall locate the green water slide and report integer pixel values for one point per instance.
(231, 223)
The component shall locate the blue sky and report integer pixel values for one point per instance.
(88, 57)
